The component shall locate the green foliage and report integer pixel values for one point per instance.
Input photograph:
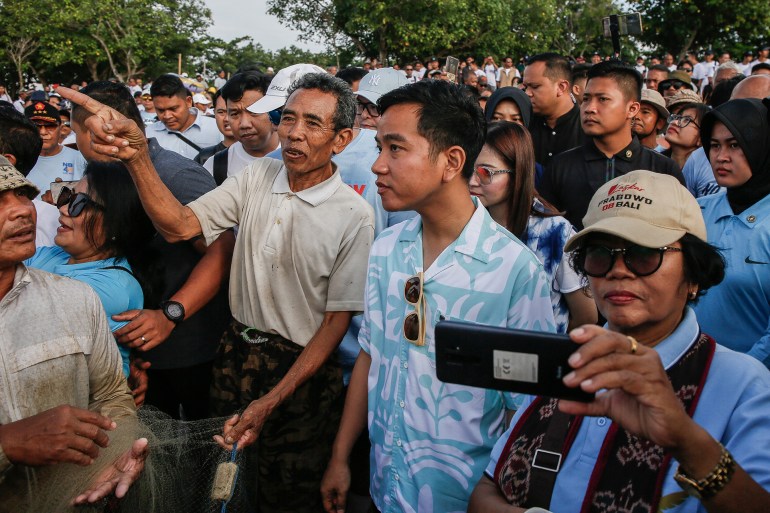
(695, 24)
(403, 31)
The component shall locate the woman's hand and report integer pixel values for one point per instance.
(638, 395)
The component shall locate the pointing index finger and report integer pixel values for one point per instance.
(88, 103)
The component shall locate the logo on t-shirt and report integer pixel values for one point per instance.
(68, 168)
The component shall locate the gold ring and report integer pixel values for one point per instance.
(634, 344)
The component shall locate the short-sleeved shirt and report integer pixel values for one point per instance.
(737, 311)
(431, 440)
(237, 160)
(733, 407)
(117, 288)
(565, 135)
(698, 174)
(203, 132)
(68, 165)
(546, 237)
(297, 255)
(574, 176)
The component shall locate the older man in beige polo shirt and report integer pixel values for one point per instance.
(297, 277)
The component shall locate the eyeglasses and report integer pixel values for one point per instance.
(597, 261)
(371, 108)
(146, 98)
(688, 70)
(66, 123)
(676, 84)
(485, 174)
(77, 201)
(682, 121)
(409, 69)
(414, 323)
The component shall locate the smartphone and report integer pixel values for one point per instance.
(452, 66)
(56, 188)
(627, 24)
(528, 362)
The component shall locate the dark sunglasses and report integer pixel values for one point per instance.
(414, 323)
(688, 70)
(597, 261)
(76, 201)
(676, 84)
(371, 108)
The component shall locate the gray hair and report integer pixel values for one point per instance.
(345, 113)
(728, 65)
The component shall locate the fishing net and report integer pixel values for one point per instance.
(179, 474)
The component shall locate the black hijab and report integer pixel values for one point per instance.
(747, 120)
(514, 94)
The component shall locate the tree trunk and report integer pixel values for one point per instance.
(688, 44)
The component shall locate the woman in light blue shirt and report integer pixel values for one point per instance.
(679, 423)
(103, 241)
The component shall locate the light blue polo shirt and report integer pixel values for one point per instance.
(734, 408)
(118, 290)
(431, 440)
(698, 174)
(737, 311)
(203, 132)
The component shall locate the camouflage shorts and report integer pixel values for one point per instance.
(294, 446)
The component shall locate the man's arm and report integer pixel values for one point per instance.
(114, 135)
(201, 286)
(336, 480)
(245, 428)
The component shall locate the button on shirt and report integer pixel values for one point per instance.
(565, 135)
(734, 407)
(431, 440)
(574, 176)
(737, 311)
(203, 132)
(297, 255)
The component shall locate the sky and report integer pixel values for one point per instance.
(236, 18)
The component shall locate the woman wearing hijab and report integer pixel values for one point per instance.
(512, 104)
(736, 136)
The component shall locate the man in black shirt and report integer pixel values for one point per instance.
(610, 102)
(555, 127)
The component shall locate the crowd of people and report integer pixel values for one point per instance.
(278, 248)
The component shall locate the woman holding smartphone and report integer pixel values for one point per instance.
(679, 423)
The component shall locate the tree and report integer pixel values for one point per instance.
(693, 24)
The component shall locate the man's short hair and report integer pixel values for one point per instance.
(658, 67)
(447, 117)
(19, 137)
(116, 96)
(345, 113)
(580, 71)
(628, 79)
(246, 81)
(352, 74)
(760, 66)
(556, 66)
(168, 85)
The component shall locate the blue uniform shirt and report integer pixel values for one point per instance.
(118, 290)
(734, 407)
(737, 311)
(431, 440)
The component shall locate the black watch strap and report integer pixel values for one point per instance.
(173, 310)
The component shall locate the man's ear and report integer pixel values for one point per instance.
(188, 101)
(455, 161)
(11, 158)
(633, 109)
(563, 87)
(341, 140)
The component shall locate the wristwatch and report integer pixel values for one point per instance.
(710, 485)
(173, 310)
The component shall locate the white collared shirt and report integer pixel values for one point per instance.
(203, 132)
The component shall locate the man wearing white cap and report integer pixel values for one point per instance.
(201, 103)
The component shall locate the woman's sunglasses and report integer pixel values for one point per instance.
(597, 261)
(76, 201)
(485, 174)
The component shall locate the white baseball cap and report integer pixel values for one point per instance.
(380, 81)
(278, 92)
(199, 98)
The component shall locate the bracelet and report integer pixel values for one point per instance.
(713, 483)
